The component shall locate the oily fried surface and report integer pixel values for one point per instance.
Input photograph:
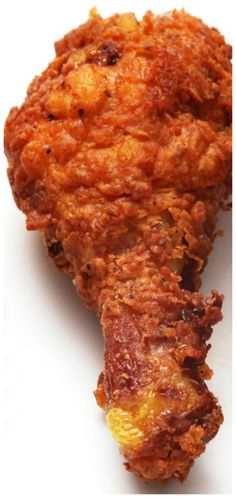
(120, 157)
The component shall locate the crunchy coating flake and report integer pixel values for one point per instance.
(120, 156)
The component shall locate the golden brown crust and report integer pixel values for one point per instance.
(120, 156)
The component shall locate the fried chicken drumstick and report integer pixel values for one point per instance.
(120, 156)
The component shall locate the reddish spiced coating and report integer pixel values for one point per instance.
(120, 156)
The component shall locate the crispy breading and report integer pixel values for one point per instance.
(120, 156)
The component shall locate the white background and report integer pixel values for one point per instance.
(56, 441)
